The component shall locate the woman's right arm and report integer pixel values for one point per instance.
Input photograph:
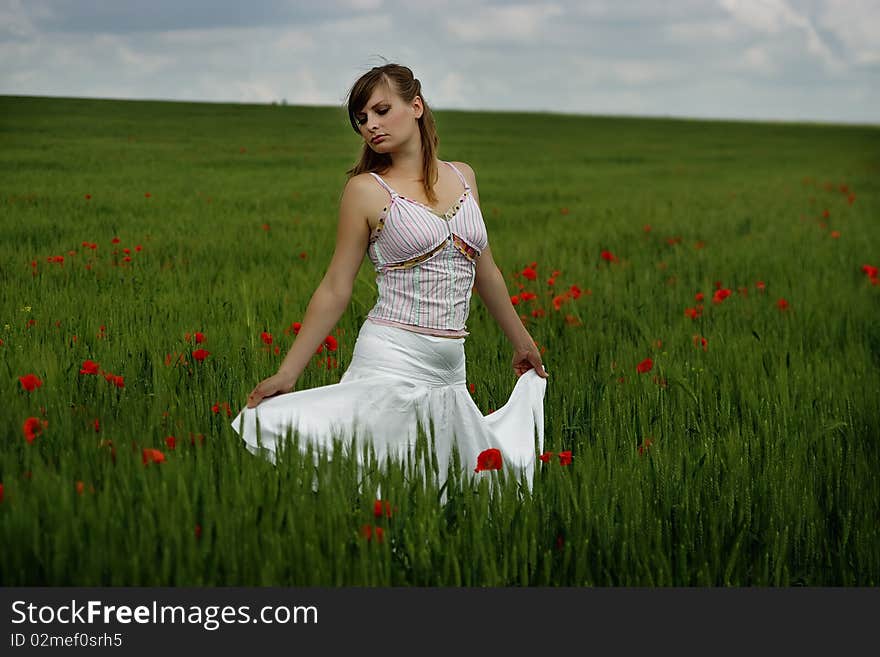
(332, 295)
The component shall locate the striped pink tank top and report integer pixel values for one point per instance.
(426, 262)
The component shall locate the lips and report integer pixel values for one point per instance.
(373, 140)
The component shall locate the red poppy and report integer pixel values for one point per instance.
(610, 257)
(380, 507)
(152, 456)
(97, 425)
(870, 271)
(200, 354)
(198, 531)
(538, 312)
(115, 240)
(331, 343)
(514, 299)
(760, 285)
(489, 459)
(30, 382)
(565, 457)
(89, 367)
(529, 273)
(471, 387)
(200, 337)
(1, 492)
(644, 445)
(720, 295)
(546, 456)
(368, 531)
(558, 300)
(782, 304)
(171, 442)
(33, 427)
(216, 408)
(700, 341)
(693, 313)
(80, 487)
(698, 296)
(575, 291)
(266, 337)
(645, 366)
(528, 296)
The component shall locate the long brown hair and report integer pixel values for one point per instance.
(400, 80)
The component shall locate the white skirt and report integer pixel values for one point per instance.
(397, 380)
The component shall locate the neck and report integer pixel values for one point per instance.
(406, 164)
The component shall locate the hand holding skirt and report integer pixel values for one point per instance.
(396, 380)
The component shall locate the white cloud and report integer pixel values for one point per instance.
(774, 17)
(856, 23)
(758, 59)
(701, 32)
(523, 23)
(452, 89)
(363, 5)
(646, 57)
(15, 21)
(630, 73)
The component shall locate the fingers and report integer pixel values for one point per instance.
(254, 399)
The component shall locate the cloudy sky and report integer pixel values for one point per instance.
(816, 60)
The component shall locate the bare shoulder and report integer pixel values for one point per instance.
(363, 195)
(467, 171)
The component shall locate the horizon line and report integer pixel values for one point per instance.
(283, 103)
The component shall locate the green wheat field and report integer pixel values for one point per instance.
(711, 334)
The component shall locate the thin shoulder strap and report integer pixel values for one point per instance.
(382, 182)
(461, 177)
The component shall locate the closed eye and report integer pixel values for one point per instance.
(380, 113)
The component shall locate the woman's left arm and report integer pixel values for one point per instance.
(490, 285)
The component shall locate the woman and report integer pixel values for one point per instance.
(407, 368)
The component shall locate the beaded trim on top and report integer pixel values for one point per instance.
(449, 214)
(379, 226)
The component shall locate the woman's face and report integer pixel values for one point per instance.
(388, 115)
